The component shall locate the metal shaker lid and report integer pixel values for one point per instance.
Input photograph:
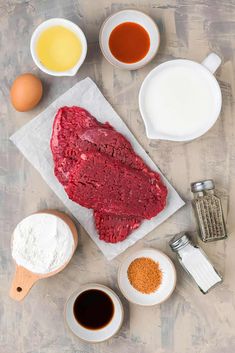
(179, 241)
(202, 185)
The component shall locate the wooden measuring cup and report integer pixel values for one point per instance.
(24, 279)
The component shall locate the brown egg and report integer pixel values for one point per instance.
(26, 92)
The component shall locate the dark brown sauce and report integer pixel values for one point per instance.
(129, 42)
(93, 309)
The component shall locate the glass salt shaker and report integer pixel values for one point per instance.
(195, 262)
(208, 211)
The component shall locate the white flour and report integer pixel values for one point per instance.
(42, 243)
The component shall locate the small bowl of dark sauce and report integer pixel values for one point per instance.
(94, 313)
(129, 39)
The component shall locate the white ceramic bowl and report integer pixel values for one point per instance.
(129, 16)
(168, 280)
(72, 27)
(95, 336)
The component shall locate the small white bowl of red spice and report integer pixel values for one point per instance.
(147, 277)
(129, 39)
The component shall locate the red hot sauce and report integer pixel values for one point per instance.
(129, 42)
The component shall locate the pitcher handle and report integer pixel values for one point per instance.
(212, 62)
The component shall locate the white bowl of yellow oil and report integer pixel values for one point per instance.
(58, 47)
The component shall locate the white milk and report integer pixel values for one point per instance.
(179, 99)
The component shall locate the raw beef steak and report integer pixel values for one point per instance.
(73, 134)
(76, 131)
(103, 183)
(114, 228)
(66, 144)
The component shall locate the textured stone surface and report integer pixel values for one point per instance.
(188, 321)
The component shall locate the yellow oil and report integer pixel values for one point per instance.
(58, 48)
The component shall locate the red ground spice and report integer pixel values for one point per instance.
(145, 275)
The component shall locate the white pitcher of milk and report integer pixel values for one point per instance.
(180, 100)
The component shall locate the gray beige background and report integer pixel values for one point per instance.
(188, 322)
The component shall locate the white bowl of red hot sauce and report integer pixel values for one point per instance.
(129, 39)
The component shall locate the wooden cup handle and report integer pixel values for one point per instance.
(22, 283)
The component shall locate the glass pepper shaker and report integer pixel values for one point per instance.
(208, 211)
(195, 262)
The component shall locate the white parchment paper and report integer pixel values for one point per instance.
(33, 140)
